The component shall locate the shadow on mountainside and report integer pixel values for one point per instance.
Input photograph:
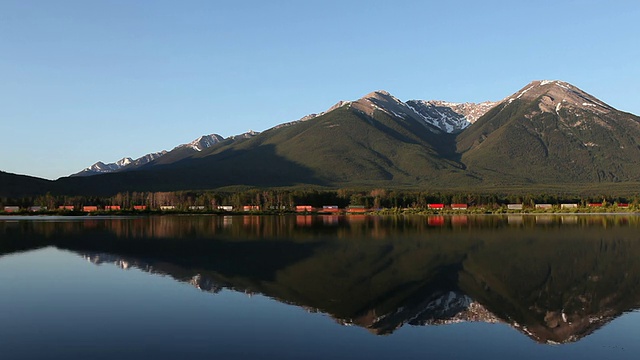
(254, 167)
(440, 145)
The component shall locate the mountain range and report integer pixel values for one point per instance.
(548, 134)
(183, 150)
(102, 168)
(446, 116)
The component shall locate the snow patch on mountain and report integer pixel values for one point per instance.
(383, 101)
(437, 115)
(448, 116)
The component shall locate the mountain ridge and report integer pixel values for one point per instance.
(199, 144)
(102, 168)
(445, 116)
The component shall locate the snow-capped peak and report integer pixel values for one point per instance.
(203, 142)
(124, 161)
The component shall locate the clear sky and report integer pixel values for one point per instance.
(82, 81)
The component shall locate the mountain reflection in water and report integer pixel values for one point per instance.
(554, 278)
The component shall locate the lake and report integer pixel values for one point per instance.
(320, 287)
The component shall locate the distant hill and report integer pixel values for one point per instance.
(13, 185)
(548, 135)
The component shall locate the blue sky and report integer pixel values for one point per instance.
(82, 81)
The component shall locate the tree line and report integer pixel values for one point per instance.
(287, 199)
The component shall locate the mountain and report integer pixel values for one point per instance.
(551, 132)
(548, 135)
(374, 141)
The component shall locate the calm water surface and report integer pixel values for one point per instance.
(320, 287)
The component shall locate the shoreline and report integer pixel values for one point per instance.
(134, 214)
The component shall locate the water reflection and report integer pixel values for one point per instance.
(554, 278)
